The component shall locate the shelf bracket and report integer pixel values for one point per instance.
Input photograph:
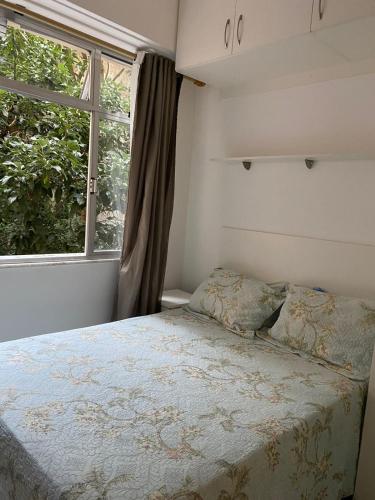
(246, 164)
(309, 163)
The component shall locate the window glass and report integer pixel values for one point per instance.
(43, 176)
(113, 168)
(115, 78)
(31, 58)
(46, 156)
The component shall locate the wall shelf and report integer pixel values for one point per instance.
(307, 160)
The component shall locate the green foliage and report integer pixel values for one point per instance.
(44, 153)
(112, 98)
(113, 168)
(36, 60)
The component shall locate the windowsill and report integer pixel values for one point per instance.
(45, 260)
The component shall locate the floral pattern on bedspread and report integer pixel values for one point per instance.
(172, 407)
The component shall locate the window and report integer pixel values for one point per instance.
(64, 145)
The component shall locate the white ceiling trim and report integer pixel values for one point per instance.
(92, 24)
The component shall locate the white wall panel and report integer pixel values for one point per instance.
(335, 200)
(48, 298)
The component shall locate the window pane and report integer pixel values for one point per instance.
(48, 63)
(115, 81)
(43, 176)
(113, 168)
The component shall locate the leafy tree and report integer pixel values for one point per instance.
(44, 152)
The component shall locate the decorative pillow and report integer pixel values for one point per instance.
(339, 331)
(241, 304)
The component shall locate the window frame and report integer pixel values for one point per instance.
(90, 105)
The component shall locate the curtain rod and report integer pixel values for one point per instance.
(19, 9)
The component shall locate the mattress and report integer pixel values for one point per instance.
(169, 407)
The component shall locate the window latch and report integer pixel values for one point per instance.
(93, 185)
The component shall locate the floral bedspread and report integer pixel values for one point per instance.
(172, 407)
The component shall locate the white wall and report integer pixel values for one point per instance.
(47, 298)
(153, 19)
(185, 124)
(203, 216)
(334, 200)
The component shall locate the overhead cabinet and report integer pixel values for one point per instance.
(205, 31)
(230, 42)
(327, 13)
(209, 30)
(346, 26)
(263, 22)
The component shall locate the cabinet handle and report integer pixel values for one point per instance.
(226, 38)
(239, 35)
(321, 10)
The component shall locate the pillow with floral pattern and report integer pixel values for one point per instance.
(336, 331)
(240, 303)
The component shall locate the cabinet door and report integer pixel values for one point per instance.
(205, 31)
(262, 22)
(331, 12)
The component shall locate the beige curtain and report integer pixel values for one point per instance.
(151, 189)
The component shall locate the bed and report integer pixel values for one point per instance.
(172, 406)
